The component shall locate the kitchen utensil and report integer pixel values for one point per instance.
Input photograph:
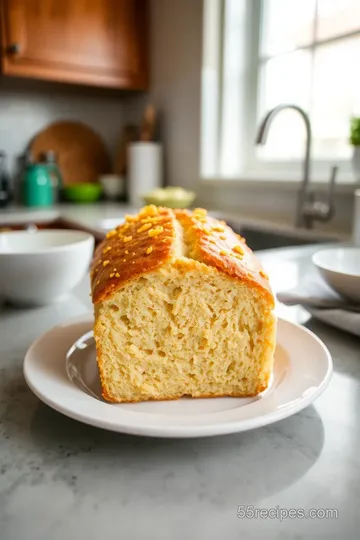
(82, 156)
(340, 267)
(38, 187)
(83, 193)
(5, 194)
(172, 197)
(40, 267)
(145, 170)
(113, 186)
(336, 313)
(60, 368)
(147, 130)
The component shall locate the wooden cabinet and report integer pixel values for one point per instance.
(92, 42)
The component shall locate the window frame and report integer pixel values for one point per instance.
(251, 167)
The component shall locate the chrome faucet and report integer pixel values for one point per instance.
(308, 209)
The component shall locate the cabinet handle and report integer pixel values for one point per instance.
(13, 48)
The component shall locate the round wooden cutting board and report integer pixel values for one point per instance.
(81, 154)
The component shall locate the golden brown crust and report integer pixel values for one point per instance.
(217, 245)
(140, 245)
(147, 241)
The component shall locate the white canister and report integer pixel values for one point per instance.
(356, 220)
(145, 161)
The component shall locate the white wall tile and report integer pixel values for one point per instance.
(27, 107)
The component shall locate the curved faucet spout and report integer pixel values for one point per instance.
(265, 124)
(304, 218)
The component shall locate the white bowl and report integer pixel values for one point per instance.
(42, 266)
(340, 267)
(113, 185)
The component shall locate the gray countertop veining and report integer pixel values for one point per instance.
(60, 479)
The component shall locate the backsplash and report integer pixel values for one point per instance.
(28, 106)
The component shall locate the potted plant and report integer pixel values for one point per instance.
(355, 141)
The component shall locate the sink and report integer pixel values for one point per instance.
(259, 240)
(262, 238)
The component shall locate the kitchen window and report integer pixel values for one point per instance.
(260, 53)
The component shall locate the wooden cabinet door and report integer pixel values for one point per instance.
(99, 42)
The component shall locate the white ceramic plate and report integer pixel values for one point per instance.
(60, 368)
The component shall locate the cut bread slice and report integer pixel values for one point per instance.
(182, 308)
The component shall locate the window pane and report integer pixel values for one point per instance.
(336, 17)
(286, 25)
(285, 79)
(233, 117)
(336, 96)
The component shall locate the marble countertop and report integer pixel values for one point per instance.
(91, 216)
(60, 479)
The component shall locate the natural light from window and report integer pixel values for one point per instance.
(309, 55)
(305, 52)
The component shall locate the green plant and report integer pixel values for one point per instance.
(355, 131)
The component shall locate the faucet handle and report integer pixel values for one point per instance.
(321, 210)
(331, 190)
(326, 210)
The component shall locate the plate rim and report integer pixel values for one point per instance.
(177, 431)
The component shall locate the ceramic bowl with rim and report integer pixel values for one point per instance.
(112, 185)
(340, 267)
(40, 267)
(86, 192)
(171, 197)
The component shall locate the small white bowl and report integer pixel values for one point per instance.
(40, 267)
(340, 267)
(113, 185)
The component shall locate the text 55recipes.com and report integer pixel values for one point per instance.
(249, 511)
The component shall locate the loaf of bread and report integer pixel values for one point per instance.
(182, 308)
